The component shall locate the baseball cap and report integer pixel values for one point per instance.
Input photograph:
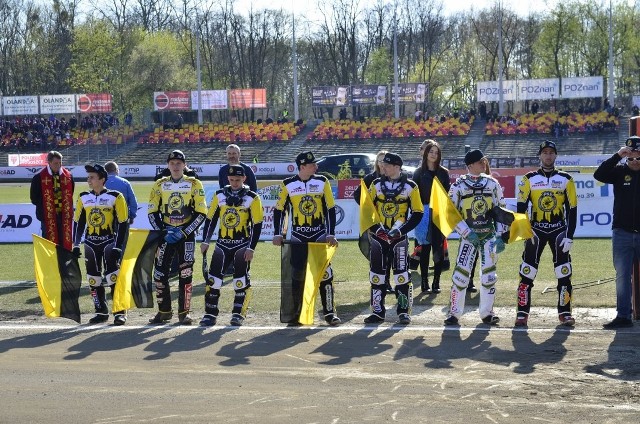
(98, 169)
(392, 159)
(633, 142)
(473, 156)
(548, 143)
(176, 154)
(305, 158)
(236, 171)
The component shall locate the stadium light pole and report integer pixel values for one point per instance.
(198, 71)
(610, 85)
(294, 63)
(500, 65)
(396, 100)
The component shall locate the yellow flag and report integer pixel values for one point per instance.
(318, 258)
(134, 287)
(58, 278)
(445, 214)
(520, 228)
(368, 212)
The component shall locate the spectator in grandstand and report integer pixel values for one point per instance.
(428, 236)
(397, 200)
(233, 158)
(101, 216)
(116, 182)
(178, 207)
(635, 110)
(552, 196)
(52, 194)
(309, 199)
(378, 171)
(239, 211)
(625, 178)
(479, 199)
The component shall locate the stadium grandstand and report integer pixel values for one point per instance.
(508, 136)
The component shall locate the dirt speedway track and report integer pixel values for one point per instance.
(423, 373)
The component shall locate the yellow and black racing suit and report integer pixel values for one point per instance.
(240, 215)
(179, 204)
(553, 199)
(103, 219)
(399, 206)
(313, 218)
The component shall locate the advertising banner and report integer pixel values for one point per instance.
(538, 89)
(331, 96)
(367, 95)
(58, 104)
(248, 98)
(489, 91)
(413, 92)
(211, 100)
(171, 100)
(28, 159)
(580, 87)
(20, 105)
(94, 103)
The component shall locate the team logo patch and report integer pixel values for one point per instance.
(92, 281)
(547, 202)
(307, 206)
(526, 270)
(239, 284)
(627, 178)
(564, 270)
(401, 279)
(390, 209)
(231, 219)
(325, 276)
(113, 278)
(479, 206)
(375, 279)
(175, 202)
(96, 218)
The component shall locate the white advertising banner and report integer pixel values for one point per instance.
(211, 99)
(58, 104)
(20, 105)
(538, 89)
(489, 91)
(580, 87)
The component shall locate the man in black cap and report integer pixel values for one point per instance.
(102, 216)
(239, 211)
(177, 206)
(554, 212)
(397, 200)
(625, 178)
(479, 199)
(309, 199)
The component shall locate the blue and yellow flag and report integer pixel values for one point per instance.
(445, 214)
(58, 278)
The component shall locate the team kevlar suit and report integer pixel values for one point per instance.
(103, 218)
(553, 218)
(313, 218)
(179, 204)
(240, 215)
(480, 201)
(399, 206)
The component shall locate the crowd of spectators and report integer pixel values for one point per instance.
(557, 124)
(372, 128)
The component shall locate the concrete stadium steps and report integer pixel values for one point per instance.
(527, 145)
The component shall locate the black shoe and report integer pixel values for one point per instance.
(99, 318)
(451, 321)
(236, 320)
(435, 287)
(120, 318)
(332, 320)
(208, 321)
(472, 289)
(373, 319)
(161, 318)
(618, 322)
(185, 319)
(491, 319)
(404, 319)
(424, 286)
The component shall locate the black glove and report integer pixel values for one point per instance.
(76, 252)
(116, 254)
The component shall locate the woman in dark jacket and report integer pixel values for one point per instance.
(428, 236)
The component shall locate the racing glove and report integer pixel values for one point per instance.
(174, 235)
(499, 245)
(76, 252)
(566, 244)
(116, 255)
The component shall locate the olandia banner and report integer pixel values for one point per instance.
(58, 104)
(19, 105)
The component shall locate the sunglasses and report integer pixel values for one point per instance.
(632, 159)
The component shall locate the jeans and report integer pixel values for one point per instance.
(626, 245)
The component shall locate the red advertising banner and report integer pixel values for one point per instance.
(33, 159)
(171, 100)
(347, 187)
(249, 98)
(94, 103)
